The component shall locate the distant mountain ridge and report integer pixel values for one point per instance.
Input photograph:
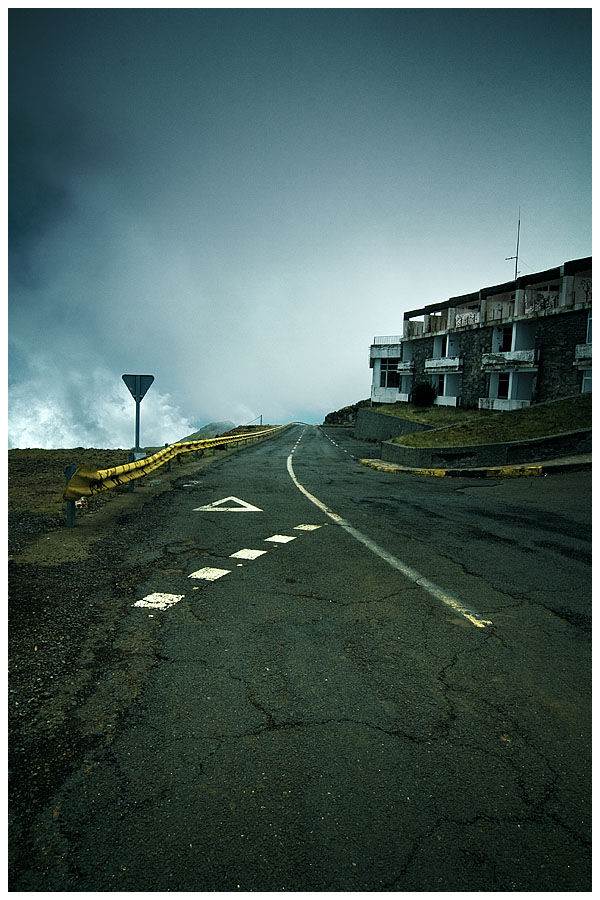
(208, 431)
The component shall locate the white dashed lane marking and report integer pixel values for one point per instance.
(208, 573)
(247, 554)
(159, 601)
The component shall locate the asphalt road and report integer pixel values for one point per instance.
(395, 699)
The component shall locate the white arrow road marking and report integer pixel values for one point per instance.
(411, 574)
(159, 601)
(209, 574)
(281, 538)
(217, 506)
(247, 554)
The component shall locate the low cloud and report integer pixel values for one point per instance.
(91, 410)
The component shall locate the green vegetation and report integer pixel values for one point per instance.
(423, 394)
(460, 428)
(436, 416)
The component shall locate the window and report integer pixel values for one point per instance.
(390, 376)
(506, 339)
(503, 385)
(586, 381)
(439, 383)
(440, 346)
(588, 338)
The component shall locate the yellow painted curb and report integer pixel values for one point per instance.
(513, 471)
(496, 472)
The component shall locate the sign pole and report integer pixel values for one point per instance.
(137, 386)
(138, 401)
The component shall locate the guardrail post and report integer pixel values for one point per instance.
(70, 521)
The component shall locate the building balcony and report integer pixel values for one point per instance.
(443, 364)
(471, 317)
(509, 360)
(497, 312)
(413, 329)
(502, 404)
(583, 356)
(443, 400)
(386, 351)
(384, 394)
(387, 339)
(539, 301)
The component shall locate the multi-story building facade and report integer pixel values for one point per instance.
(502, 347)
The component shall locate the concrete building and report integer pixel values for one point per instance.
(502, 347)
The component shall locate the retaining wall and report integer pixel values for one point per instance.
(375, 426)
(481, 455)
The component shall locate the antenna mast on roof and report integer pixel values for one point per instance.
(516, 258)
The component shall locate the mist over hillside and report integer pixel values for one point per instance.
(208, 431)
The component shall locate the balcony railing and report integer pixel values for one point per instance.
(512, 359)
(437, 323)
(387, 339)
(413, 329)
(467, 318)
(583, 352)
(502, 404)
(385, 351)
(445, 363)
(538, 301)
(443, 400)
(497, 311)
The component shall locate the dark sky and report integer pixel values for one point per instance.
(237, 200)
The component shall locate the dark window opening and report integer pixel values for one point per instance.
(506, 341)
(390, 377)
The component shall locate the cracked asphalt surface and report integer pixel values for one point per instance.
(312, 720)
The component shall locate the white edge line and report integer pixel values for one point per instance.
(411, 574)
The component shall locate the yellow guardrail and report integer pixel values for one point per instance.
(87, 481)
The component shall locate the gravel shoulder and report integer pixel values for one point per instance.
(75, 664)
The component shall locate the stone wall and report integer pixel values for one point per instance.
(556, 338)
(346, 415)
(422, 350)
(474, 383)
(484, 455)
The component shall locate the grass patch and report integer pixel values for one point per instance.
(540, 420)
(436, 416)
(36, 478)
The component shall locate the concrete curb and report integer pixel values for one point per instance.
(568, 464)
